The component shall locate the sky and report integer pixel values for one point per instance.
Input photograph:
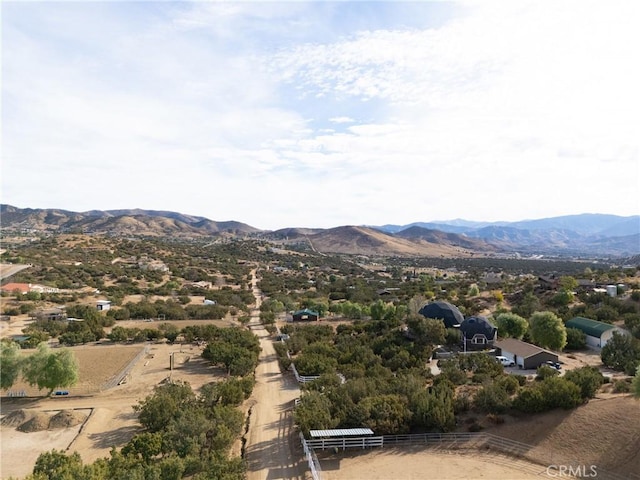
(321, 114)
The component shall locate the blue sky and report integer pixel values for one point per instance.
(319, 114)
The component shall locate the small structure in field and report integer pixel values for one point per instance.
(305, 315)
(523, 354)
(103, 305)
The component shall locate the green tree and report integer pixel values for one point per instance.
(146, 445)
(548, 330)
(56, 465)
(427, 331)
(386, 414)
(10, 363)
(158, 409)
(51, 370)
(576, 339)
(622, 352)
(511, 325)
(589, 379)
(313, 412)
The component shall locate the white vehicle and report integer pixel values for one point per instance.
(506, 362)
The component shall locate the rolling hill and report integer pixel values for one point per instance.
(601, 236)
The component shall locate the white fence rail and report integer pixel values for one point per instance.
(303, 378)
(312, 460)
(511, 449)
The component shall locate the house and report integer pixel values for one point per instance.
(448, 313)
(28, 287)
(524, 354)
(306, 315)
(598, 333)
(16, 287)
(58, 313)
(103, 305)
(478, 333)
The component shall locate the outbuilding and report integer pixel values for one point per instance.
(598, 333)
(306, 315)
(523, 354)
(103, 305)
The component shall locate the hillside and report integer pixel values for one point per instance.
(367, 241)
(604, 432)
(587, 235)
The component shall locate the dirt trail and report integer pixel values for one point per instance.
(272, 449)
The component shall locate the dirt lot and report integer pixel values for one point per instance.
(416, 463)
(112, 420)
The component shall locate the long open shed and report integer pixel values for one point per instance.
(340, 432)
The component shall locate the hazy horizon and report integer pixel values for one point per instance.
(321, 114)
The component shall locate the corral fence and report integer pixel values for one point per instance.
(303, 378)
(312, 459)
(512, 451)
(120, 377)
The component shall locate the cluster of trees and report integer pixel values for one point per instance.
(43, 368)
(185, 435)
(389, 389)
(234, 349)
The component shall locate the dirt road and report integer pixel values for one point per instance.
(272, 449)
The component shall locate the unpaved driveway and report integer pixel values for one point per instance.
(272, 449)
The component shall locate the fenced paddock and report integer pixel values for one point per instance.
(503, 451)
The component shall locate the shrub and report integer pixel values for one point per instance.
(492, 399)
(550, 393)
(589, 379)
(495, 419)
(522, 379)
(621, 386)
(475, 427)
(576, 339)
(510, 383)
(545, 371)
(461, 404)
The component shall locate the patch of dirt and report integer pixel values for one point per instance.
(15, 418)
(66, 419)
(604, 432)
(38, 422)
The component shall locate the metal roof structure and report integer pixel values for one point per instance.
(592, 328)
(340, 432)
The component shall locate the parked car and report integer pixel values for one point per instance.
(551, 364)
(506, 362)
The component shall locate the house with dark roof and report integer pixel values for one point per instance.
(448, 313)
(478, 333)
(306, 315)
(523, 354)
(598, 333)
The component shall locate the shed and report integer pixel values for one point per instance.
(306, 315)
(525, 355)
(598, 333)
(103, 305)
(478, 333)
(444, 311)
(340, 432)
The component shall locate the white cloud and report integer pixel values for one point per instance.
(506, 111)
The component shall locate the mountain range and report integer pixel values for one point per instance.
(594, 235)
